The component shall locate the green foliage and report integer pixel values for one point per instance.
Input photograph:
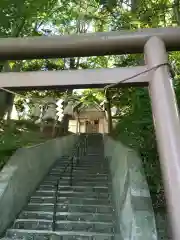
(50, 17)
(18, 134)
(135, 129)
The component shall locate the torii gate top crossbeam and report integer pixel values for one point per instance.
(73, 78)
(90, 44)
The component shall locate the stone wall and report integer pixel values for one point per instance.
(24, 171)
(133, 206)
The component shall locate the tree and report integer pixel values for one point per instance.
(49, 17)
(21, 18)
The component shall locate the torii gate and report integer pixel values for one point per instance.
(164, 107)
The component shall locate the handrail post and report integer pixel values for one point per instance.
(167, 127)
(71, 171)
(84, 146)
(78, 156)
(86, 142)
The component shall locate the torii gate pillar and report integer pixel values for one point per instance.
(167, 126)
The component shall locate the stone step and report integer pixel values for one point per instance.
(82, 171)
(69, 216)
(83, 182)
(89, 174)
(88, 177)
(82, 211)
(85, 201)
(78, 177)
(84, 174)
(82, 216)
(75, 188)
(95, 195)
(98, 176)
(81, 163)
(98, 227)
(64, 225)
(62, 207)
(91, 170)
(36, 215)
(33, 224)
(83, 188)
(62, 235)
(73, 200)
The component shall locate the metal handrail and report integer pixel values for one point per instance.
(75, 159)
(56, 197)
(71, 164)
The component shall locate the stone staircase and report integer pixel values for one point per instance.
(71, 208)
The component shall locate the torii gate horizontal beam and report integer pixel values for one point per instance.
(90, 44)
(73, 78)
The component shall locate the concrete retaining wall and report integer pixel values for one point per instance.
(135, 216)
(24, 171)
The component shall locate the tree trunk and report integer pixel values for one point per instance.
(9, 96)
(177, 11)
(10, 103)
(66, 117)
(109, 116)
(7, 99)
(108, 109)
(65, 123)
(134, 6)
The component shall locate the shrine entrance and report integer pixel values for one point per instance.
(154, 74)
(92, 126)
